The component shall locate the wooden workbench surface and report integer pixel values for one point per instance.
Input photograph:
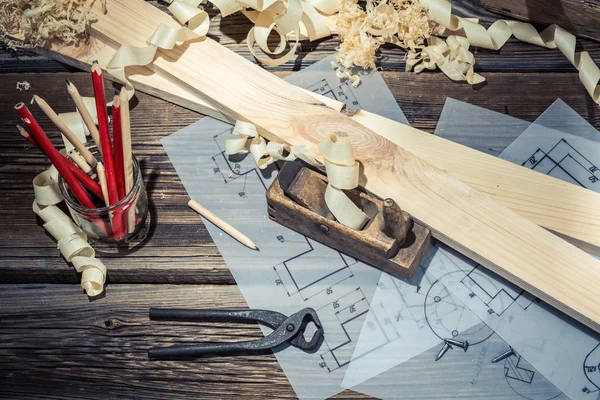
(54, 343)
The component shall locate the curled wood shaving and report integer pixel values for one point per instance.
(23, 86)
(404, 23)
(40, 21)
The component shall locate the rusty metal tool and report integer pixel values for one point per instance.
(286, 331)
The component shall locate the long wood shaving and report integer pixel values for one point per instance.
(72, 241)
(42, 21)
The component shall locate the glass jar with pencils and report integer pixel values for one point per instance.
(118, 223)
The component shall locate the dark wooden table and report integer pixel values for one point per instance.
(54, 343)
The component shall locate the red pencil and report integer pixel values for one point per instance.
(81, 176)
(61, 163)
(107, 153)
(118, 145)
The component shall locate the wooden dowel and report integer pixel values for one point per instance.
(26, 135)
(85, 114)
(59, 161)
(118, 145)
(102, 179)
(81, 163)
(127, 154)
(237, 235)
(60, 124)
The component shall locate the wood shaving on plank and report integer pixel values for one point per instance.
(340, 165)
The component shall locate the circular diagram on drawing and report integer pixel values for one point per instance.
(525, 381)
(448, 317)
(591, 367)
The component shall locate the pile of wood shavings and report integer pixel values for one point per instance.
(41, 21)
(401, 22)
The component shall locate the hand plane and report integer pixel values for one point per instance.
(390, 241)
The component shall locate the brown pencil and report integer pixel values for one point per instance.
(85, 114)
(60, 124)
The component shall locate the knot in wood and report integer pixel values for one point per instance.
(112, 323)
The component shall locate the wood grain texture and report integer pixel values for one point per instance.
(578, 17)
(99, 349)
(576, 224)
(460, 216)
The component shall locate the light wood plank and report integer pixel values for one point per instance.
(498, 238)
(565, 209)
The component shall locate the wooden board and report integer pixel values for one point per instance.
(460, 216)
(572, 212)
(578, 17)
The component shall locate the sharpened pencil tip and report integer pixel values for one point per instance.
(68, 82)
(95, 62)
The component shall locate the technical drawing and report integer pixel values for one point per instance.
(565, 162)
(445, 314)
(296, 275)
(591, 369)
(342, 93)
(525, 381)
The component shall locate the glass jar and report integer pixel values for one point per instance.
(118, 223)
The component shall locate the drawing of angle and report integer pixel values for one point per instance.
(290, 272)
(448, 287)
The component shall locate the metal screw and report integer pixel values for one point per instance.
(463, 345)
(324, 228)
(290, 328)
(504, 355)
(443, 350)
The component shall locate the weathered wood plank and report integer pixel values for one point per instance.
(578, 17)
(98, 349)
(232, 30)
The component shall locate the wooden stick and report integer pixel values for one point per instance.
(60, 124)
(81, 163)
(460, 216)
(61, 164)
(118, 145)
(127, 154)
(102, 179)
(85, 114)
(26, 135)
(234, 233)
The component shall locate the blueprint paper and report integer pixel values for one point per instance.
(479, 128)
(289, 272)
(440, 313)
(566, 157)
(560, 117)
(473, 293)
